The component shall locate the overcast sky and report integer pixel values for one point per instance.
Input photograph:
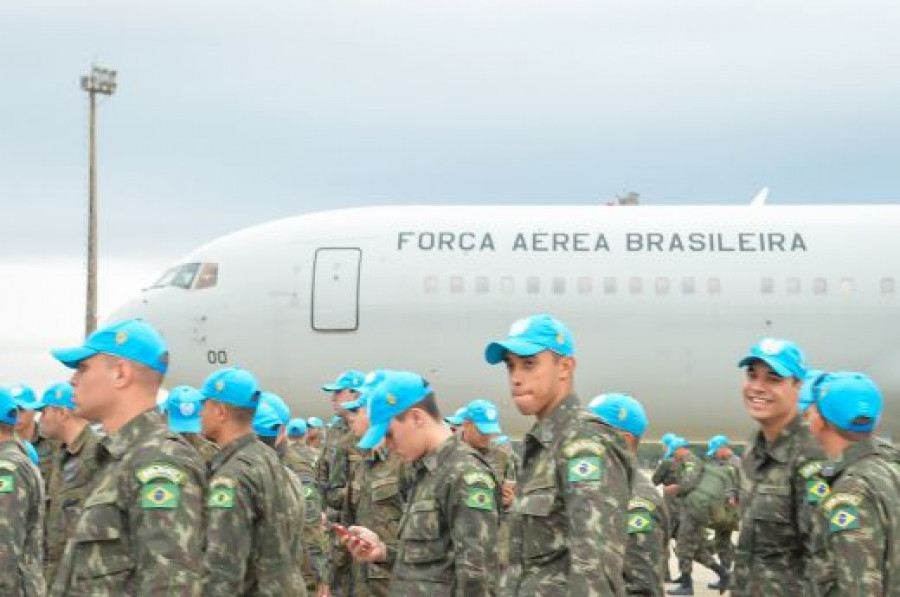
(230, 113)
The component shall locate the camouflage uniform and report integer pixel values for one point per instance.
(695, 513)
(727, 520)
(376, 499)
(204, 447)
(141, 528)
(255, 513)
(568, 527)
(647, 555)
(503, 464)
(21, 539)
(779, 550)
(71, 471)
(862, 520)
(45, 449)
(448, 534)
(665, 475)
(315, 540)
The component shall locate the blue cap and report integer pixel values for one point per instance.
(277, 403)
(296, 428)
(483, 413)
(530, 336)
(348, 380)
(355, 405)
(60, 394)
(32, 453)
(266, 422)
(714, 443)
(783, 356)
(315, 423)
(133, 339)
(667, 438)
(501, 439)
(7, 407)
(183, 407)
(457, 418)
(805, 398)
(849, 401)
(620, 411)
(397, 393)
(232, 386)
(24, 397)
(370, 384)
(678, 442)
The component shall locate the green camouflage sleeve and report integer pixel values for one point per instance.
(314, 538)
(14, 505)
(167, 524)
(336, 484)
(645, 555)
(596, 476)
(230, 513)
(810, 489)
(689, 472)
(857, 540)
(473, 529)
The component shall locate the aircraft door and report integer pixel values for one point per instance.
(335, 290)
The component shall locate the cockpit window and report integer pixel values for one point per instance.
(190, 276)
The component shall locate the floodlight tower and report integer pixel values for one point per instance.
(101, 81)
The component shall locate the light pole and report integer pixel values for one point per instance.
(102, 81)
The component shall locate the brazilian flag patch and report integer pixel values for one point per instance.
(816, 490)
(7, 483)
(844, 518)
(639, 522)
(160, 496)
(480, 498)
(221, 497)
(584, 468)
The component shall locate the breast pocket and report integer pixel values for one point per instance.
(103, 561)
(542, 538)
(774, 532)
(422, 542)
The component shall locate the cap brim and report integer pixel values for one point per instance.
(373, 436)
(31, 405)
(772, 363)
(495, 351)
(184, 426)
(488, 428)
(455, 421)
(70, 357)
(332, 388)
(352, 406)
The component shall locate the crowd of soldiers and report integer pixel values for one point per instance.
(218, 491)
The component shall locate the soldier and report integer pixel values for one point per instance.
(22, 503)
(255, 516)
(183, 406)
(861, 514)
(72, 467)
(376, 499)
(665, 474)
(339, 452)
(704, 491)
(647, 555)
(779, 549)
(455, 421)
(726, 521)
(449, 532)
(568, 529)
(141, 529)
(27, 429)
(269, 425)
(314, 434)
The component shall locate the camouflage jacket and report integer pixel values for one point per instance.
(780, 548)
(665, 472)
(376, 499)
(255, 512)
(203, 446)
(22, 519)
(448, 533)
(315, 540)
(328, 454)
(71, 471)
(862, 521)
(141, 527)
(647, 554)
(46, 449)
(569, 520)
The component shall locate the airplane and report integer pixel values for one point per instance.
(662, 301)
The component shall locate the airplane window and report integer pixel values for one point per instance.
(456, 284)
(431, 284)
(714, 286)
(820, 286)
(208, 277)
(845, 286)
(767, 285)
(482, 285)
(635, 285)
(662, 285)
(507, 285)
(532, 285)
(609, 285)
(888, 286)
(688, 285)
(166, 278)
(559, 285)
(585, 285)
(185, 275)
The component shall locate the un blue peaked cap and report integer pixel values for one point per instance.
(296, 428)
(60, 394)
(348, 380)
(183, 406)
(266, 421)
(132, 339)
(397, 393)
(620, 411)
(714, 443)
(849, 401)
(230, 385)
(529, 336)
(783, 356)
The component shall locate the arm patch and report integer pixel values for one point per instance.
(639, 521)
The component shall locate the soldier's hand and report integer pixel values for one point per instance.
(508, 493)
(365, 546)
(670, 490)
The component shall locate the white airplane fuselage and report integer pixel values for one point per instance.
(662, 301)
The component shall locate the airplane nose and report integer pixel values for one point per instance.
(136, 308)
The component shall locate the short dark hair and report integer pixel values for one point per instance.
(241, 415)
(428, 404)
